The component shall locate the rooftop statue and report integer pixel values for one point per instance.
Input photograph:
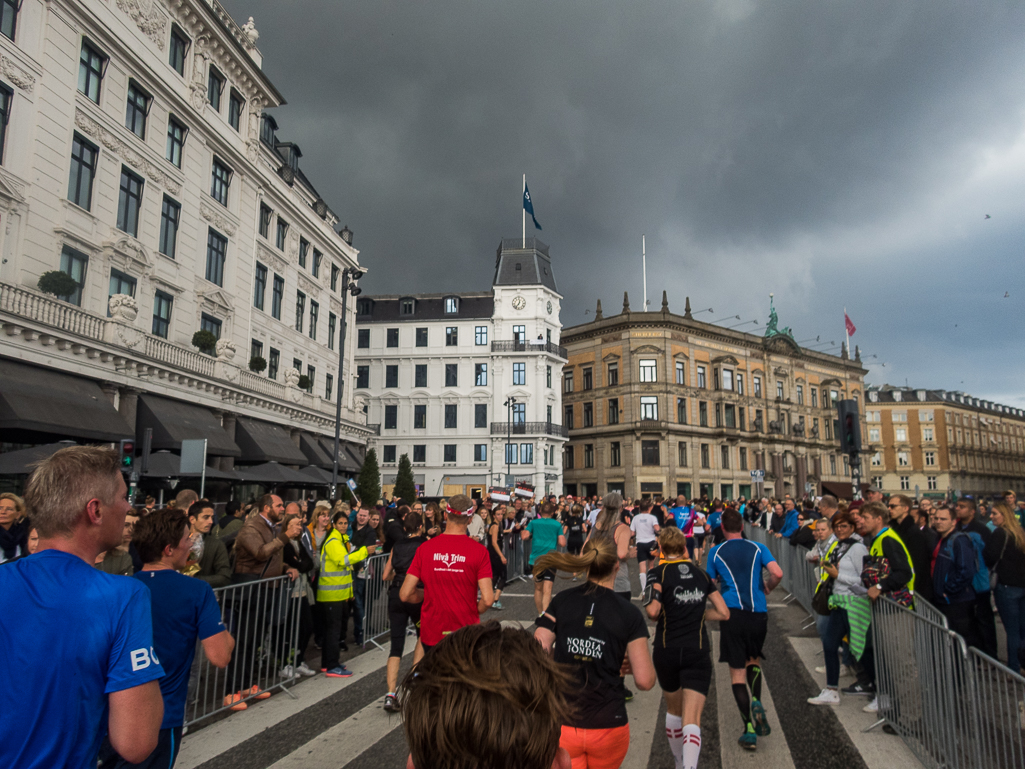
(771, 327)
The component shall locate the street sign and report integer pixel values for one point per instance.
(758, 475)
(193, 460)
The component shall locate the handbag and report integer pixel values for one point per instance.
(993, 579)
(820, 601)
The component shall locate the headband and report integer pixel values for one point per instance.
(452, 511)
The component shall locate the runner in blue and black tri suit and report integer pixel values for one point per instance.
(737, 565)
(683, 516)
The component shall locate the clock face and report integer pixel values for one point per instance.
(549, 308)
(519, 303)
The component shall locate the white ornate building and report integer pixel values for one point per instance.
(437, 372)
(138, 159)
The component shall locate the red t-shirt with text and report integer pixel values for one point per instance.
(449, 567)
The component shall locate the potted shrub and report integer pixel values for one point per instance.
(204, 341)
(257, 364)
(304, 382)
(58, 283)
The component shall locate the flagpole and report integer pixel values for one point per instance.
(524, 245)
(644, 274)
(848, 333)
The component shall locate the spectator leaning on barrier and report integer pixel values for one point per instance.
(101, 678)
(916, 543)
(214, 564)
(298, 557)
(969, 523)
(1005, 555)
(952, 573)
(790, 523)
(184, 611)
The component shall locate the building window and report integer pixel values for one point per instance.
(567, 382)
(846, 465)
(702, 378)
(273, 361)
(930, 459)
(328, 386)
(680, 372)
(613, 374)
(220, 182)
(451, 336)
(727, 379)
(615, 454)
(216, 251)
(480, 374)
(930, 482)
(335, 272)
(406, 307)
(83, 171)
(724, 452)
(834, 398)
(129, 200)
(681, 454)
(613, 411)
(391, 417)
(519, 413)
(649, 407)
(588, 415)
(588, 379)
(647, 371)
(162, 314)
(779, 389)
(480, 415)
(332, 323)
(649, 453)
(392, 337)
(211, 324)
(520, 334)
(362, 377)
(588, 455)
(451, 375)
(548, 413)
(388, 454)
(300, 310)
(421, 337)
(314, 317)
(702, 414)
(926, 415)
(512, 456)
(420, 454)
(420, 417)
(121, 284)
(170, 217)
(317, 259)
(681, 410)
(800, 395)
(178, 49)
(526, 453)
(282, 234)
(567, 416)
(480, 335)
(391, 376)
(814, 398)
(420, 375)
(705, 463)
(900, 434)
(449, 452)
(873, 434)
(214, 88)
(363, 338)
(235, 105)
(175, 142)
(451, 305)
(730, 415)
(567, 458)
(277, 297)
(137, 109)
(927, 434)
(6, 97)
(451, 416)
(480, 452)
(255, 349)
(905, 483)
(740, 383)
(90, 71)
(548, 377)
(9, 17)
(519, 374)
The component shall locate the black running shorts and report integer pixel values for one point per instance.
(683, 669)
(645, 551)
(742, 636)
(548, 575)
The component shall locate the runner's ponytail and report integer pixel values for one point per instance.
(599, 559)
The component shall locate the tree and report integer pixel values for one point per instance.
(405, 488)
(368, 485)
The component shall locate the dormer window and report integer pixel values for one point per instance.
(268, 126)
(407, 307)
(364, 306)
(451, 305)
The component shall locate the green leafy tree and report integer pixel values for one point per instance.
(405, 488)
(368, 485)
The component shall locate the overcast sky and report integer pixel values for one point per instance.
(833, 153)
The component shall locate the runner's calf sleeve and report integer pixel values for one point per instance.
(691, 746)
(643, 576)
(743, 698)
(754, 680)
(674, 733)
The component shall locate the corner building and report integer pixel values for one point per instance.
(467, 384)
(663, 404)
(138, 159)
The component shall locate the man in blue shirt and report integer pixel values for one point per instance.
(737, 565)
(184, 609)
(547, 535)
(84, 636)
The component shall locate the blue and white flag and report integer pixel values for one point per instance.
(528, 206)
(351, 484)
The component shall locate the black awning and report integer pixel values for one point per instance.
(164, 464)
(346, 464)
(313, 450)
(41, 402)
(175, 421)
(274, 474)
(265, 442)
(21, 462)
(317, 475)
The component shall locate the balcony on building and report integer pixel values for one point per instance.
(529, 428)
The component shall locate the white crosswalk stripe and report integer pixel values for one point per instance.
(351, 738)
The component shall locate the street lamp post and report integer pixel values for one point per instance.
(347, 288)
(508, 436)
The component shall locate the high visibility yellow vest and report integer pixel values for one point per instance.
(877, 550)
(336, 562)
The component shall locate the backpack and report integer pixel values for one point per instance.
(980, 582)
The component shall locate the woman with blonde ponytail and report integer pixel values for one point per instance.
(608, 527)
(596, 633)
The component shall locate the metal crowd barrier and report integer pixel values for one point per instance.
(263, 617)
(375, 601)
(512, 548)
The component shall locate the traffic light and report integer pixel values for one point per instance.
(849, 427)
(127, 455)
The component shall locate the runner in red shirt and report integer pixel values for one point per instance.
(452, 568)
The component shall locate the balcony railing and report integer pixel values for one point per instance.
(529, 428)
(533, 346)
(652, 425)
(51, 312)
(519, 244)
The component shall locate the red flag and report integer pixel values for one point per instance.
(850, 325)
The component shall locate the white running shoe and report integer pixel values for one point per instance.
(826, 697)
(820, 669)
(873, 706)
(848, 671)
(286, 672)
(305, 670)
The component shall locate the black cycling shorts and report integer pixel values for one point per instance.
(646, 551)
(742, 636)
(683, 669)
(399, 612)
(548, 575)
(574, 546)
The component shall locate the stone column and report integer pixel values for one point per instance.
(293, 433)
(777, 470)
(228, 421)
(802, 474)
(110, 389)
(128, 405)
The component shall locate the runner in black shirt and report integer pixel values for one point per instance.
(574, 528)
(399, 612)
(597, 633)
(676, 596)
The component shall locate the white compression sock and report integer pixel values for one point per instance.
(674, 733)
(691, 746)
(643, 580)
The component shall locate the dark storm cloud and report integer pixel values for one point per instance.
(836, 154)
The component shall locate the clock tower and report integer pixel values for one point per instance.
(528, 362)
